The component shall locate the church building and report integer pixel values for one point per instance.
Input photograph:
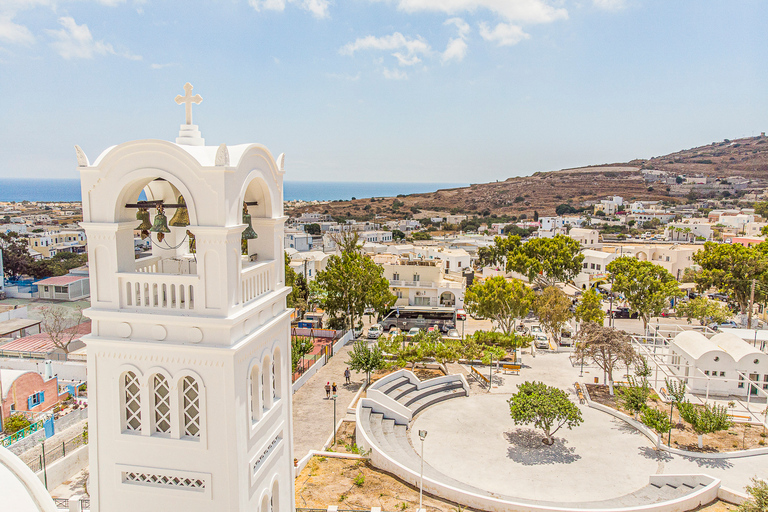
(189, 355)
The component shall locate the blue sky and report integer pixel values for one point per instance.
(383, 90)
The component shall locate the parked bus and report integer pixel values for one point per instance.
(407, 317)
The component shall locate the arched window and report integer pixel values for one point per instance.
(190, 392)
(161, 401)
(277, 375)
(265, 503)
(256, 398)
(132, 397)
(275, 498)
(266, 384)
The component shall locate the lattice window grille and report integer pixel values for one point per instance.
(191, 394)
(269, 449)
(274, 386)
(195, 484)
(162, 401)
(132, 392)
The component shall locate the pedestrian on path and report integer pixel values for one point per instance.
(347, 375)
(334, 388)
(327, 390)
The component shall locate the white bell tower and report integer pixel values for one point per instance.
(189, 358)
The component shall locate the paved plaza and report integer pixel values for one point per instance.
(474, 440)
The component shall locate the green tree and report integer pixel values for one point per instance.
(545, 261)
(500, 300)
(758, 497)
(300, 346)
(16, 258)
(606, 347)
(656, 420)
(363, 358)
(761, 208)
(15, 423)
(553, 308)
(647, 287)
(704, 310)
(546, 407)
(731, 268)
(397, 234)
(312, 229)
(350, 283)
(421, 235)
(589, 308)
(705, 419)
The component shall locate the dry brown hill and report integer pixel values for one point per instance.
(543, 191)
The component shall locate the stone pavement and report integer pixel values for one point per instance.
(313, 413)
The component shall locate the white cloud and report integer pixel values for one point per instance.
(610, 5)
(461, 25)
(163, 66)
(11, 32)
(410, 48)
(76, 42)
(318, 8)
(525, 11)
(504, 34)
(456, 49)
(395, 74)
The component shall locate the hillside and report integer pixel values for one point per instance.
(544, 191)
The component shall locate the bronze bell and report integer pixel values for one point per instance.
(248, 232)
(143, 215)
(180, 219)
(161, 224)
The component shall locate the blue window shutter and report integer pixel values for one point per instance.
(29, 401)
(42, 396)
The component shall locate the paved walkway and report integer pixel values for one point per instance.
(313, 413)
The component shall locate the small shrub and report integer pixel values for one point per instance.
(343, 497)
(359, 480)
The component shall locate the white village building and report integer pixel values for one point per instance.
(189, 357)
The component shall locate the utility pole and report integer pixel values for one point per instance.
(751, 304)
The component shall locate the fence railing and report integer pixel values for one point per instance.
(55, 452)
(21, 434)
(63, 503)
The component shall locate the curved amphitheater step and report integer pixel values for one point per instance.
(417, 400)
(392, 439)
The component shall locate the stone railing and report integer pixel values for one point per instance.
(168, 292)
(256, 280)
(148, 264)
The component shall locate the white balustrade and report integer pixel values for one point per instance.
(144, 290)
(256, 280)
(148, 264)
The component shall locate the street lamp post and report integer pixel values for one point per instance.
(422, 436)
(334, 418)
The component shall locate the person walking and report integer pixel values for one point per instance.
(327, 390)
(334, 388)
(347, 375)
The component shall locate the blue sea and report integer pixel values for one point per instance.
(69, 190)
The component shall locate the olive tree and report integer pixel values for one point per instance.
(546, 407)
(606, 347)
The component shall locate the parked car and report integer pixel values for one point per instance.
(394, 332)
(453, 333)
(541, 341)
(624, 313)
(726, 325)
(536, 329)
(374, 331)
(413, 332)
(461, 315)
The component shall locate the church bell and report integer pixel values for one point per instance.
(161, 224)
(248, 232)
(143, 215)
(180, 219)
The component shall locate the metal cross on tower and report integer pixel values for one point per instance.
(188, 100)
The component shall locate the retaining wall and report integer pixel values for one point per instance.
(65, 468)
